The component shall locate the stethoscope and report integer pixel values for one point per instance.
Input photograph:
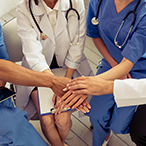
(43, 36)
(95, 21)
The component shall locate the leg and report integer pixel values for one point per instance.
(121, 118)
(48, 124)
(63, 123)
(16, 130)
(100, 114)
(138, 126)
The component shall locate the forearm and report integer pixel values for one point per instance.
(69, 72)
(2, 83)
(104, 51)
(118, 71)
(19, 75)
(48, 71)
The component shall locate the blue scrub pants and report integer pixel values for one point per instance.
(15, 130)
(105, 116)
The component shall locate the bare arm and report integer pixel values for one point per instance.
(98, 42)
(69, 72)
(117, 72)
(17, 74)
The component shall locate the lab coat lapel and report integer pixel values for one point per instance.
(41, 16)
(60, 24)
(47, 28)
(61, 21)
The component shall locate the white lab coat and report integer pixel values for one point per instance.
(57, 43)
(130, 92)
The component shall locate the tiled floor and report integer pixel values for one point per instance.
(80, 134)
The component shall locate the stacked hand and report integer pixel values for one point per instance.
(73, 101)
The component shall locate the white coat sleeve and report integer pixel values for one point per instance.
(31, 45)
(130, 92)
(75, 52)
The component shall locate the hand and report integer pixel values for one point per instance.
(126, 76)
(56, 100)
(90, 86)
(84, 107)
(59, 83)
(72, 101)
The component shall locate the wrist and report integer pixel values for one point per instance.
(49, 80)
(109, 87)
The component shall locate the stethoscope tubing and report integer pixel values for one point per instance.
(66, 16)
(34, 18)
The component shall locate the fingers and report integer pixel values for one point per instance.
(65, 96)
(79, 102)
(87, 104)
(59, 108)
(75, 98)
(54, 98)
(84, 108)
(81, 91)
(128, 75)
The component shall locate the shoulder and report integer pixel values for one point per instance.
(142, 8)
(78, 5)
(23, 4)
(94, 2)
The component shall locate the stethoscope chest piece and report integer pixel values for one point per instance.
(43, 36)
(94, 21)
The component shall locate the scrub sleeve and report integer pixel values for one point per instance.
(15, 130)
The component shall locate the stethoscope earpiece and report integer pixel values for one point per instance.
(94, 21)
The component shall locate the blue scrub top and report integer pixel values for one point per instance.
(109, 23)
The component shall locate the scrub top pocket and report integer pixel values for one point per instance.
(103, 67)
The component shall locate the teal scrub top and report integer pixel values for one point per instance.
(109, 23)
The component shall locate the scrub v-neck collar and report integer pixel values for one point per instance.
(128, 8)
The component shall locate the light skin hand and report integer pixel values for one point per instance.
(126, 76)
(56, 100)
(93, 85)
(58, 83)
(70, 100)
(84, 107)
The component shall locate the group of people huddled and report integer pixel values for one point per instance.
(53, 35)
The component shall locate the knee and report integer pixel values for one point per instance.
(63, 122)
(47, 122)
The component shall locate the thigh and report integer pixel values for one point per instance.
(101, 109)
(46, 120)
